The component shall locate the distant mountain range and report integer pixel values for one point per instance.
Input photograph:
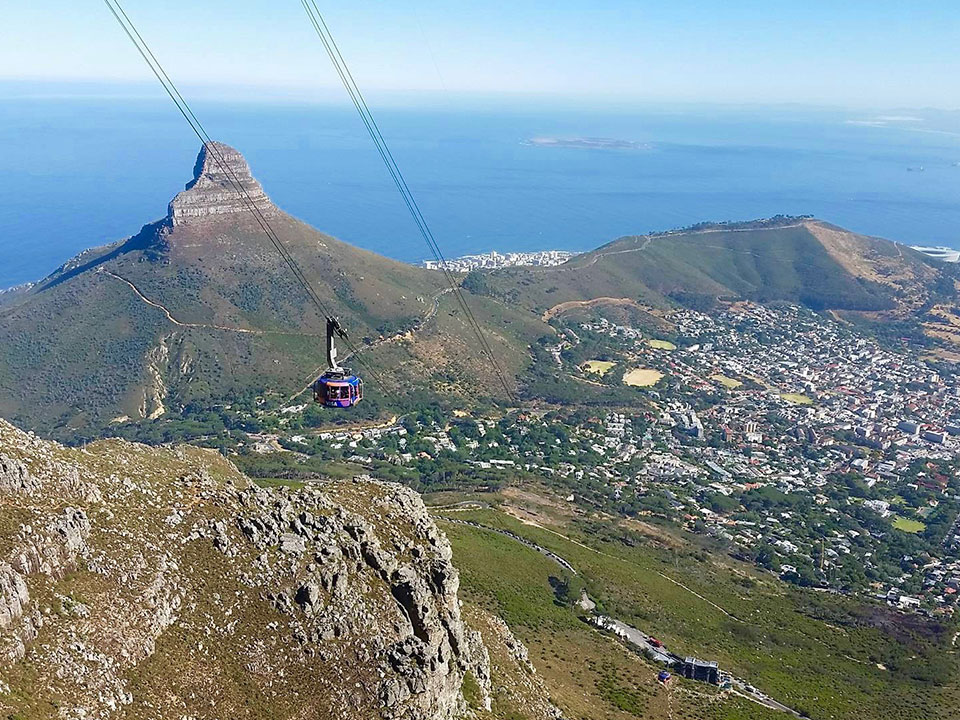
(198, 306)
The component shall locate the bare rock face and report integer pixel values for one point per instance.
(14, 476)
(222, 185)
(146, 582)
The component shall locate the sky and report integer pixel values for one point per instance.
(878, 54)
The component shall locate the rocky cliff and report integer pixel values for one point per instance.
(222, 185)
(144, 582)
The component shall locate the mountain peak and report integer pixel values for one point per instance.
(221, 184)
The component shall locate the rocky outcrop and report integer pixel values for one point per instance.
(400, 563)
(51, 552)
(158, 582)
(47, 547)
(222, 185)
(14, 476)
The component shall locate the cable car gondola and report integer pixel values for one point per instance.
(337, 387)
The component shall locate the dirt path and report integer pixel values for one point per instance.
(430, 314)
(571, 304)
(596, 258)
(204, 326)
(417, 327)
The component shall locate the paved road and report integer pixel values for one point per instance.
(741, 688)
(635, 637)
(641, 640)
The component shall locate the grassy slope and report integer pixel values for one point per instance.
(816, 653)
(75, 354)
(589, 675)
(76, 350)
(764, 264)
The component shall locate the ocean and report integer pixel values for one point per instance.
(76, 173)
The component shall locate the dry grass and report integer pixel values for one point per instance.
(642, 377)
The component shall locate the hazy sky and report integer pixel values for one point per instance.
(881, 53)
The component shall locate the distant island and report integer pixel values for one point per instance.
(588, 143)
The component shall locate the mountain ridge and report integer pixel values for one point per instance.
(159, 582)
(208, 263)
(802, 260)
(198, 307)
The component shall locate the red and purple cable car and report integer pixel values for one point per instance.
(337, 387)
(338, 390)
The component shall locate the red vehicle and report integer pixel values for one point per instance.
(653, 641)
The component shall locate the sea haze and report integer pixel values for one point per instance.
(79, 173)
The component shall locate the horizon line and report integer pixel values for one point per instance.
(31, 88)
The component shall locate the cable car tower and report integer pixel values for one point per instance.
(338, 387)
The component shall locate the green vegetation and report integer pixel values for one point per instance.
(796, 399)
(53, 378)
(471, 691)
(661, 344)
(764, 262)
(792, 644)
(589, 675)
(908, 525)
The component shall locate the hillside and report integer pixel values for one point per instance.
(821, 654)
(159, 583)
(198, 307)
(797, 260)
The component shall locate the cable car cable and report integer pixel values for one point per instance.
(366, 115)
(360, 104)
(207, 141)
(170, 87)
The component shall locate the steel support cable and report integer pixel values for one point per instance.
(356, 96)
(207, 141)
(383, 152)
(183, 107)
(372, 127)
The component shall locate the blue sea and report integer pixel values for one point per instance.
(76, 173)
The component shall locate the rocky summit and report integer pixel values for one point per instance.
(145, 582)
(222, 185)
(199, 302)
